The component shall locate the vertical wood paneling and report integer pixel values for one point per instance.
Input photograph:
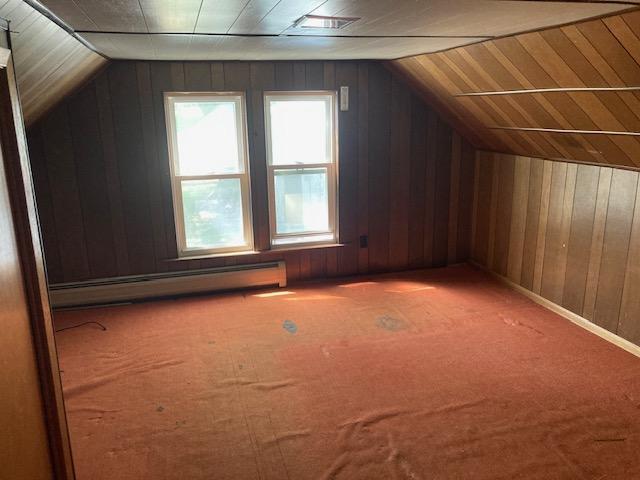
(615, 248)
(418, 151)
(628, 321)
(503, 206)
(152, 162)
(442, 194)
(534, 197)
(363, 164)
(493, 209)
(575, 232)
(454, 193)
(263, 78)
(543, 215)
(522, 170)
(597, 238)
(465, 201)
(92, 189)
(161, 82)
(399, 175)
(67, 213)
(44, 204)
(348, 124)
(430, 187)
(379, 166)
(111, 189)
(105, 125)
(578, 248)
(133, 175)
(484, 173)
(563, 182)
(284, 75)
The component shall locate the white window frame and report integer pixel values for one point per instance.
(170, 99)
(332, 171)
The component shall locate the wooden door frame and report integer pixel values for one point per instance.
(27, 231)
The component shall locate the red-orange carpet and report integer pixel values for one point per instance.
(440, 374)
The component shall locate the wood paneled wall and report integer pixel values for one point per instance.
(24, 443)
(566, 231)
(102, 173)
(558, 69)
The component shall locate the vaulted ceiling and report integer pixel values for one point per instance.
(465, 57)
(49, 63)
(571, 92)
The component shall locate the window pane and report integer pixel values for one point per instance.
(299, 132)
(301, 200)
(207, 140)
(213, 213)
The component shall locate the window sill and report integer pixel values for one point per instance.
(274, 251)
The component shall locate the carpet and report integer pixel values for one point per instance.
(433, 374)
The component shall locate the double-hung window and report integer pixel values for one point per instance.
(301, 164)
(209, 172)
(208, 151)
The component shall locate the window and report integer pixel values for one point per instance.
(301, 163)
(209, 172)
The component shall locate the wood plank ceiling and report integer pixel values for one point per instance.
(570, 92)
(263, 29)
(48, 61)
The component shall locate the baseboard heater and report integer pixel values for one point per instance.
(138, 287)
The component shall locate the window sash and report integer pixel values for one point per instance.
(331, 168)
(331, 195)
(171, 98)
(329, 97)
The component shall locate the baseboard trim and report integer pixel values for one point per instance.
(563, 312)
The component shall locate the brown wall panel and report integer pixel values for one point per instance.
(379, 126)
(628, 324)
(615, 248)
(580, 240)
(102, 177)
(579, 246)
(534, 196)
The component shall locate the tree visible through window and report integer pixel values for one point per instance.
(207, 145)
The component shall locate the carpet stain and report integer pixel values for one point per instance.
(392, 324)
(289, 326)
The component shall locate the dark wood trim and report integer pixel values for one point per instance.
(25, 217)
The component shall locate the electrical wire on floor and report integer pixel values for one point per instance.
(102, 327)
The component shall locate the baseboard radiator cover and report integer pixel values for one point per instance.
(140, 287)
(563, 312)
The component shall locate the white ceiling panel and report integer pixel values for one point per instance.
(171, 15)
(398, 26)
(219, 16)
(219, 47)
